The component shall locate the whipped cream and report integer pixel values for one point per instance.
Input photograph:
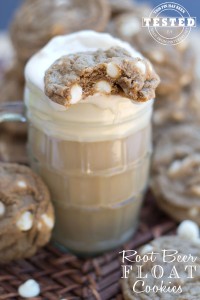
(97, 109)
(63, 45)
(98, 118)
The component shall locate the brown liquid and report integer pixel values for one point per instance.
(96, 187)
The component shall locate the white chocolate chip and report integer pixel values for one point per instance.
(174, 168)
(22, 184)
(179, 167)
(25, 222)
(2, 209)
(49, 222)
(103, 87)
(150, 67)
(193, 212)
(29, 289)
(141, 66)
(130, 26)
(178, 116)
(146, 249)
(188, 230)
(113, 70)
(39, 225)
(157, 56)
(185, 79)
(76, 93)
(182, 46)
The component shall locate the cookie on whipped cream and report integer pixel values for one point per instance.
(110, 72)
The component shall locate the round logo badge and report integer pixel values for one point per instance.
(169, 23)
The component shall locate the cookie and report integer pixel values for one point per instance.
(12, 83)
(114, 71)
(29, 34)
(176, 172)
(26, 213)
(118, 6)
(174, 64)
(128, 24)
(11, 90)
(179, 283)
(177, 108)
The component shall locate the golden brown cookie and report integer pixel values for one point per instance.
(176, 172)
(166, 277)
(118, 6)
(128, 24)
(113, 71)
(26, 213)
(36, 22)
(177, 108)
(12, 83)
(174, 64)
(180, 107)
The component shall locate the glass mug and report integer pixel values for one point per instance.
(97, 171)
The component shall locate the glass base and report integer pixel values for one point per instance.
(100, 248)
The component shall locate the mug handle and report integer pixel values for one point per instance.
(12, 112)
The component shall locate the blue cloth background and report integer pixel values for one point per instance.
(8, 7)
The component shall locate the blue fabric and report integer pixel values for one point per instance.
(8, 7)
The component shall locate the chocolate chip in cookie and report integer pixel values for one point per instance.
(26, 213)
